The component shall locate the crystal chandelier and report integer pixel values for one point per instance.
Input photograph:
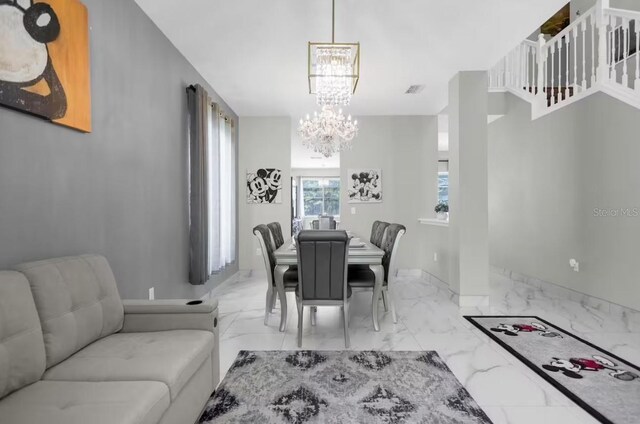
(334, 69)
(329, 132)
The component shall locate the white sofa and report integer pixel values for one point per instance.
(72, 352)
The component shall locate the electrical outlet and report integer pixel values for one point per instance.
(435, 256)
(258, 252)
(152, 293)
(353, 211)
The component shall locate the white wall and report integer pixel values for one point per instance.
(405, 148)
(263, 143)
(468, 209)
(547, 176)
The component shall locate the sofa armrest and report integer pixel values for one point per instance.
(161, 315)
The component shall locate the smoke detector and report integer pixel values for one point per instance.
(414, 89)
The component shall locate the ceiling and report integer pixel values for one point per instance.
(254, 52)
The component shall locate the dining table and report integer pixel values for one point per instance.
(362, 253)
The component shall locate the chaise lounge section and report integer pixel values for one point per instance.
(71, 351)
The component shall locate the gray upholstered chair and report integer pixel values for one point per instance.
(276, 233)
(322, 272)
(290, 276)
(327, 223)
(315, 224)
(365, 278)
(378, 230)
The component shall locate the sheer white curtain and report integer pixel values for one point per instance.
(222, 191)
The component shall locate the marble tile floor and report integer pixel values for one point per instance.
(427, 320)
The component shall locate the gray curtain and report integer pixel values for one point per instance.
(199, 107)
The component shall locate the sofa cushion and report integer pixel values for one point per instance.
(171, 357)
(77, 300)
(22, 358)
(64, 402)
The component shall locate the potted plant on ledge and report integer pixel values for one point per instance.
(442, 211)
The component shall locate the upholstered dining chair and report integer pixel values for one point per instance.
(322, 274)
(276, 233)
(378, 230)
(290, 279)
(363, 278)
(327, 223)
(315, 224)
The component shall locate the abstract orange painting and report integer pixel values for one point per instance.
(44, 60)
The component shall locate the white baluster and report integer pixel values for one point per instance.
(542, 66)
(559, 92)
(553, 76)
(625, 53)
(530, 63)
(584, 54)
(637, 82)
(522, 49)
(567, 67)
(612, 48)
(593, 51)
(507, 74)
(545, 74)
(575, 58)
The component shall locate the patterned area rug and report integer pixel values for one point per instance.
(603, 384)
(341, 387)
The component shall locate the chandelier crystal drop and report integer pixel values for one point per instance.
(329, 132)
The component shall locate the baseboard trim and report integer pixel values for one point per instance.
(562, 292)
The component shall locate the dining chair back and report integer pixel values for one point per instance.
(290, 278)
(378, 230)
(322, 273)
(363, 278)
(390, 246)
(327, 223)
(276, 233)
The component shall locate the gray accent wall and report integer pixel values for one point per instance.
(120, 191)
(555, 184)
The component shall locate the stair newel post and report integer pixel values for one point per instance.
(541, 68)
(601, 25)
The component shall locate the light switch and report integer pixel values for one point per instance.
(353, 211)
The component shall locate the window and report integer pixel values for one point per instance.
(443, 181)
(222, 191)
(321, 196)
(212, 187)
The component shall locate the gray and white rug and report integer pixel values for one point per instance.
(341, 387)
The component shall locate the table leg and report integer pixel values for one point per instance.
(378, 270)
(278, 276)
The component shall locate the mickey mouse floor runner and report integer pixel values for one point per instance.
(606, 386)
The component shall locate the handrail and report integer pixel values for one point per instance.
(624, 13)
(531, 43)
(575, 24)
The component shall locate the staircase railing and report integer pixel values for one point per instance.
(599, 51)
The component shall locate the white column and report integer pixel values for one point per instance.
(468, 191)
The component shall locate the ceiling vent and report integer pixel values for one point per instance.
(414, 89)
